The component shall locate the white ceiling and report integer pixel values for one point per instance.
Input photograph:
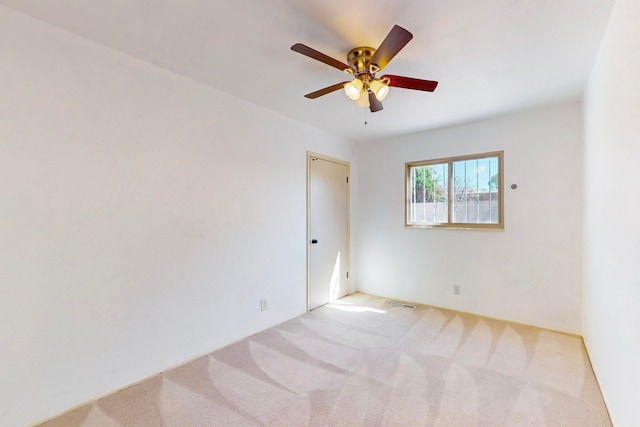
(490, 56)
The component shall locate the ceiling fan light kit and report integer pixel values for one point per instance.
(363, 64)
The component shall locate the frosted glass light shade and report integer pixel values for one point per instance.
(380, 89)
(363, 100)
(353, 89)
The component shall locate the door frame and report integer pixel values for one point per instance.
(311, 155)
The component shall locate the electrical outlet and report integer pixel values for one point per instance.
(264, 304)
(456, 289)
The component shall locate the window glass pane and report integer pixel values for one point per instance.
(475, 189)
(428, 202)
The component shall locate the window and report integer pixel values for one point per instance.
(456, 192)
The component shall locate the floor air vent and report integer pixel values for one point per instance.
(401, 304)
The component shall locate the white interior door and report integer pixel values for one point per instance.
(328, 230)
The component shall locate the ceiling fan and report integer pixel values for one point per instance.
(363, 64)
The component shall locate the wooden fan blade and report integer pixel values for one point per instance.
(326, 90)
(397, 38)
(374, 104)
(319, 56)
(411, 83)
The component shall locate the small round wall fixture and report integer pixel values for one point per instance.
(514, 186)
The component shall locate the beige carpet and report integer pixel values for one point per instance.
(364, 362)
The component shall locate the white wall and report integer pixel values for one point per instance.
(531, 271)
(142, 218)
(612, 227)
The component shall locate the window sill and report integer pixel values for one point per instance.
(491, 227)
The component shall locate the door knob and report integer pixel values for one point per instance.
(314, 241)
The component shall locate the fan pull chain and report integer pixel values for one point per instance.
(365, 116)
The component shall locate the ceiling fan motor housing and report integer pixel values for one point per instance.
(359, 59)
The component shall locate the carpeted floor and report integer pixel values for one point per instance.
(361, 361)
